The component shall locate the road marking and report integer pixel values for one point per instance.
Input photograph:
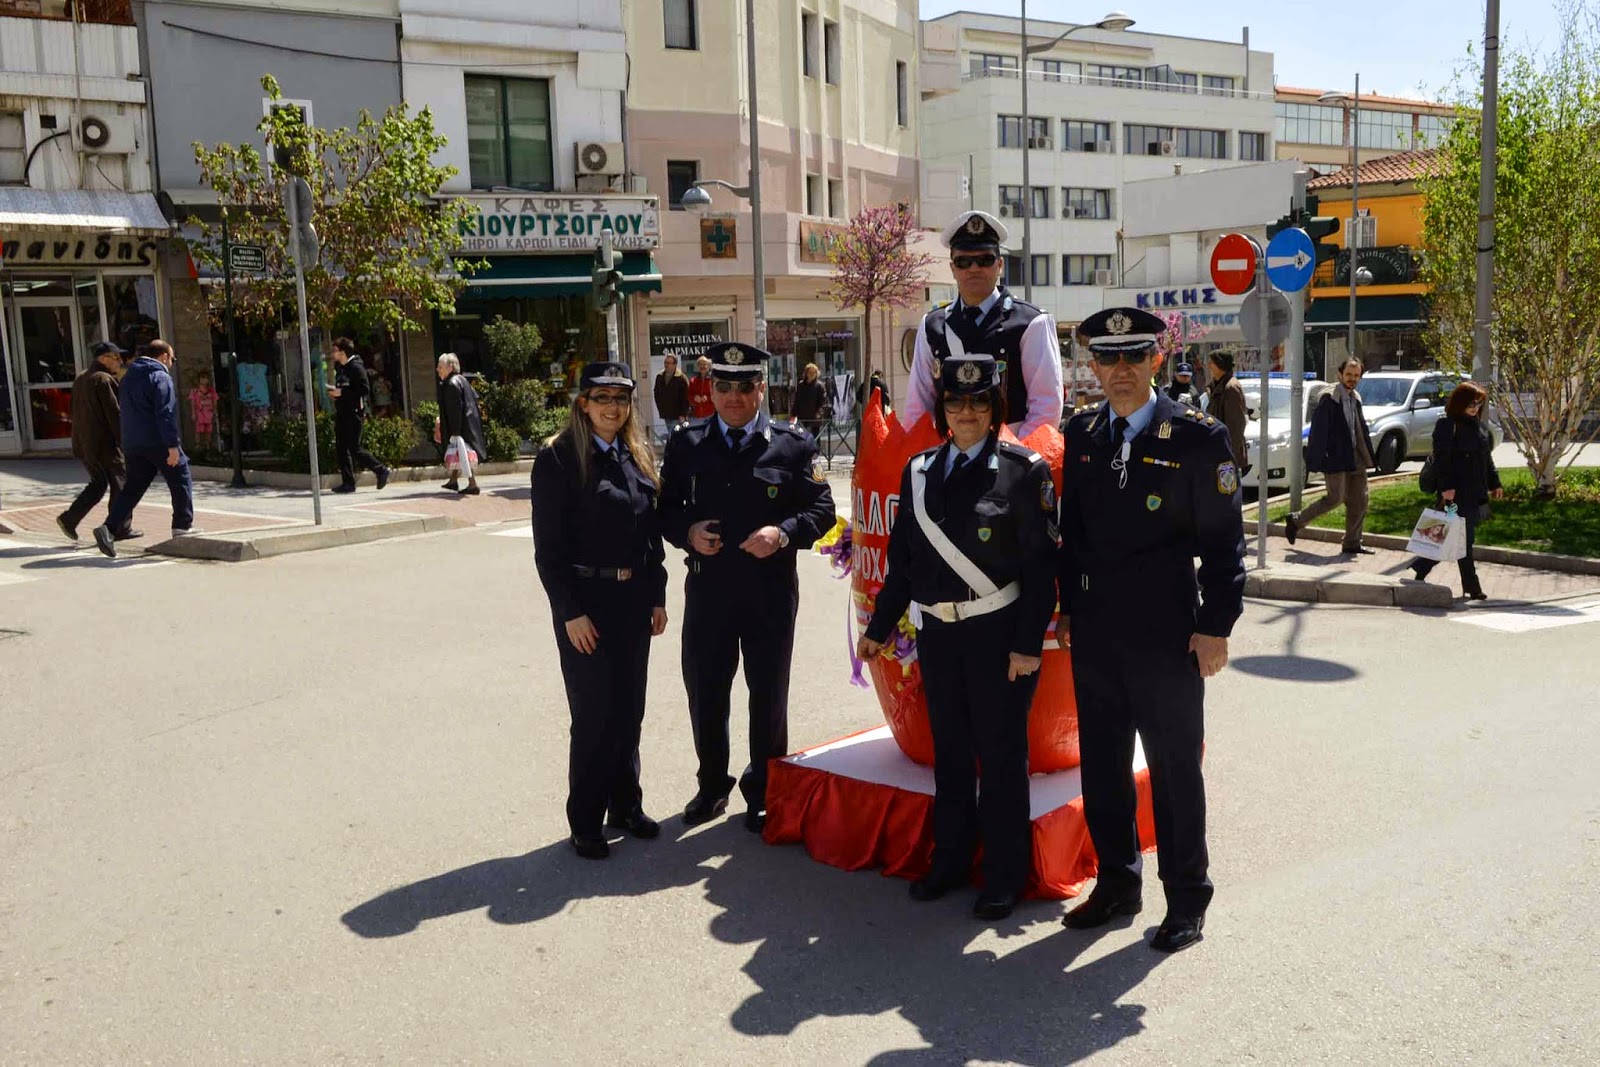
(1530, 619)
(515, 531)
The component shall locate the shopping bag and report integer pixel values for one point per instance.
(458, 457)
(1439, 535)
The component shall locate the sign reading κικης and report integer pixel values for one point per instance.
(533, 222)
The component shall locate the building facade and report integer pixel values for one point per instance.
(838, 105)
(1319, 133)
(81, 233)
(1105, 109)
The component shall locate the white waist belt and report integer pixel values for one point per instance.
(956, 610)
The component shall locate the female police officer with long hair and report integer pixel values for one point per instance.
(974, 548)
(598, 551)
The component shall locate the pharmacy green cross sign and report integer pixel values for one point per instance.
(718, 239)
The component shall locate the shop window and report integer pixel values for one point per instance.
(508, 133)
(682, 31)
(681, 176)
(13, 149)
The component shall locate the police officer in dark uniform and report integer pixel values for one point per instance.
(1148, 484)
(988, 319)
(349, 392)
(974, 548)
(742, 495)
(1182, 387)
(597, 547)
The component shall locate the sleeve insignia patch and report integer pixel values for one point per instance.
(1047, 497)
(1227, 479)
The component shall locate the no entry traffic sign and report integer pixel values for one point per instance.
(1233, 264)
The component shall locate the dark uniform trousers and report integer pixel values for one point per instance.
(347, 446)
(103, 476)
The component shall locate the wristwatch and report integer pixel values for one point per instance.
(783, 538)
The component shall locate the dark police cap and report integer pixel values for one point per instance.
(1122, 330)
(736, 361)
(969, 375)
(604, 373)
(975, 231)
(1184, 368)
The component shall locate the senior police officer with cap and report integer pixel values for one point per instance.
(1182, 387)
(973, 547)
(1148, 484)
(742, 495)
(988, 319)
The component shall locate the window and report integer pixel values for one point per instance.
(902, 94)
(1310, 124)
(1085, 203)
(1171, 81)
(1013, 274)
(830, 51)
(1058, 70)
(1080, 136)
(1127, 77)
(835, 198)
(814, 194)
(809, 44)
(988, 65)
(1432, 130)
(1385, 129)
(681, 176)
(1252, 146)
(1041, 270)
(1038, 133)
(1079, 270)
(1011, 200)
(1010, 130)
(1218, 84)
(1202, 144)
(508, 133)
(1040, 200)
(682, 31)
(13, 148)
(1144, 140)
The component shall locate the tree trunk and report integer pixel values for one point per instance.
(866, 353)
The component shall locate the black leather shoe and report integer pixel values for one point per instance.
(1291, 528)
(1102, 906)
(1177, 933)
(637, 824)
(1357, 551)
(106, 543)
(470, 490)
(935, 884)
(383, 477)
(590, 848)
(452, 485)
(703, 808)
(68, 530)
(344, 489)
(755, 821)
(992, 907)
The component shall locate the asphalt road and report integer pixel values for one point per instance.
(309, 810)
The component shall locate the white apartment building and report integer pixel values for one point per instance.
(1105, 108)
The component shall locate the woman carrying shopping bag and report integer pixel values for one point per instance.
(597, 546)
(1463, 459)
(460, 425)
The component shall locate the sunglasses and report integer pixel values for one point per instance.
(963, 403)
(968, 262)
(1111, 359)
(609, 400)
(728, 387)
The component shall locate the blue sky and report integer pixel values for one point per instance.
(1400, 47)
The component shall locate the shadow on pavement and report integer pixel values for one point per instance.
(827, 944)
(1294, 668)
(23, 553)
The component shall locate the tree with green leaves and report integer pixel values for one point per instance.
(876, 267)
(1545, 322)
(387, 246)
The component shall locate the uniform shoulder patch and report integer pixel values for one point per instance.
(1227, 478)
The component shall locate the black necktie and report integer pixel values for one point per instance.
(959, 462)
(735, 438)
(974, 314)
(1119, 427)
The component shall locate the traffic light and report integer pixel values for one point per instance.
(606, 277)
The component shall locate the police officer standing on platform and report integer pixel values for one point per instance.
(988, 319)
(742, 495)
(974, 546)
(597, 546)
(1148, 484)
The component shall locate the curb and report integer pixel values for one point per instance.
(1511, 557)
(397, 475)
(261, 544)
(1283, 584)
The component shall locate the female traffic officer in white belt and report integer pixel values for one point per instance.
(974, 548)
(597, 547)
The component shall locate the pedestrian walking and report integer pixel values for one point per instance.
(349, 391)
(1148, 485)
(671, 393)
(459, 425)
(811, 401)
(977, 556)
(700, 403)
(1182, 387)
(875, 381)
(743, 496)
(597, 547)
(97, 440)
(1463, 463)
(151, 444)
(1226, 403)
(1340, 447)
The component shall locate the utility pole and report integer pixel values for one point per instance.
(1482, 356)
(303, 245)
(1297, 358)
(1027, 178)
(236, 402)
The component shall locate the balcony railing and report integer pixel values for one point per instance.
(106, 12)
(1011, 73)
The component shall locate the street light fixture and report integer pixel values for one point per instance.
(1352, 104)
(1115, 21)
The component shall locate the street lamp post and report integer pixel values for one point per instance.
(1482, 359)
(1117, 20)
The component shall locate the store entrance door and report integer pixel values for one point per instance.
(49, 341)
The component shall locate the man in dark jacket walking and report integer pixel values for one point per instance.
(349, 393)
(151, 444)
(97, 439)
(1341, 448)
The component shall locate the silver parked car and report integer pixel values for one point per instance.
(1401, 409)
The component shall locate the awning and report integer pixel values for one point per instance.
(1372, 312)
(95, 211)
(568, 275)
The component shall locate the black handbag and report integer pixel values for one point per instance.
(1428, 477)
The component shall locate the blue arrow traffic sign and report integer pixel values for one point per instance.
(1291, 259)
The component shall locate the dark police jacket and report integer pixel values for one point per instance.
(999, 511)
(608, 521)
(351, 381)
(998, 334)
(1127, 557)
(773, 480)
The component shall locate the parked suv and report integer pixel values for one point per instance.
(1401, 408)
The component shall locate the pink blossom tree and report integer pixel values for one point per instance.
(875, 267)
(1172, 340)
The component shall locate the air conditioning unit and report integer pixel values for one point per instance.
(1069, 212)
(1168, 148)
(1104, 146)
(1103, 279)
(1038, 142)
(111, 135)
(1006, 211)
(599, 157)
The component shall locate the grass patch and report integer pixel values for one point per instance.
(1569, 524)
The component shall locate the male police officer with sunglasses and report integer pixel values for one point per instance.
(988, 320)
(742, 495)
(1148, 484)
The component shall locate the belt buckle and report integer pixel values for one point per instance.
(948, 612)
(624, 573)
